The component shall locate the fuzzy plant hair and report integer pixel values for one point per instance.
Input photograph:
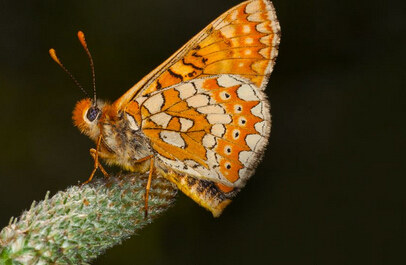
(77, 225)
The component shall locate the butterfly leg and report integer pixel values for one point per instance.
(96, 161)
(93, 154)
(148, 187)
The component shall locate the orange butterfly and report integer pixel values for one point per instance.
(201, 118)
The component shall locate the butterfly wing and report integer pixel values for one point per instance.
(242, 41)
(204, 109)
(213, 128)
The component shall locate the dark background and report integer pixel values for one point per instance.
(331, 188)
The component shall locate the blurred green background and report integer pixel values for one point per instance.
(331, 187)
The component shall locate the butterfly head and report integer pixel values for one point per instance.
(86, 116)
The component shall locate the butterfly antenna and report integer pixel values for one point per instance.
(52, 53)
(82, 40)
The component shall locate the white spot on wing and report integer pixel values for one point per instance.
(247, 93)
(246, 29)
(132, 123)
(218, 130)
(219, 118)
(211, 159)
(198, 101)
(246, 157)
(140, 100)
(252, 140)
(234, 15)
(162, 119)
(260, 16)
(255, 141)
(228, 31)
(209, 141)
(266, 40)
(185, 124)
(249, 40)
(172, 138)
(265, 52)
(263, 28)
(227, 81)
(257, 110)
(154, 104)
(261, 127)
(186, 90)
(252, 7)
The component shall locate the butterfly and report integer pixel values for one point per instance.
(201, 118)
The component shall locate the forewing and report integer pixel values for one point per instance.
(243, 41)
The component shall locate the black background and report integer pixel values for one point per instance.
(331, 188)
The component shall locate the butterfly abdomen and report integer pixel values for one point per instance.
(204, 192)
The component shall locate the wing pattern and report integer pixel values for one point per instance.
(213, 128)
(204, 111)
(243, 41)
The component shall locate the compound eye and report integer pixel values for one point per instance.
(92, 113)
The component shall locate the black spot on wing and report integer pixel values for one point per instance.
(191, 64)
(172, 73)
(158, 85)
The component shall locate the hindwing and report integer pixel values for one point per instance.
(213, 128)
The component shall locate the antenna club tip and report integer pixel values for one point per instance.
(52, 53)
(81, 37)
